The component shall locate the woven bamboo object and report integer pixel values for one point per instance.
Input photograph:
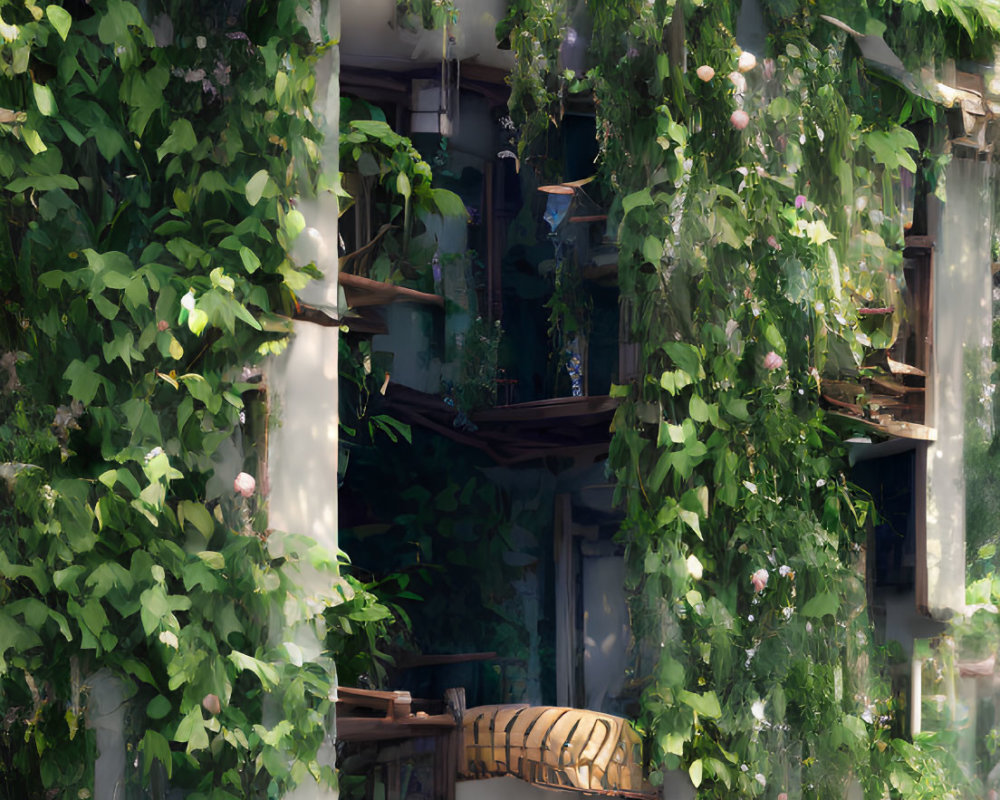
(566, 748)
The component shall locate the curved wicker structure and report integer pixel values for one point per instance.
(566, 748)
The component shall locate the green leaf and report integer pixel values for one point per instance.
(652, 249)
(44, 99)
(84, 382)
(197, 320)
(249, 258)
(33, 140)
(213, 559)
(636, 200)
(691, 520)
(698, 409)
(821, 604)
(60, 19)
(158, 707)
(705, 704)
(255, 186)
(449, 203)
(267, 674)
(694, 771)
(295, 223)
(403, 184)
(180, 140)
(155, 747)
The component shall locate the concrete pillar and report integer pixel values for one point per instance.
(302, 387)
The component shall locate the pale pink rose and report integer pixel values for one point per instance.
(738, 81)
(773, 361)
(759, 580)
(210, 702)
(705, 72)
(747, 62)
(783, 796)
(162, 325)
(773, 242)
(245, 484)
(739, 119)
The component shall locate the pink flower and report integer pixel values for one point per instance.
(746, 62)
(783, 796)
(705, 73)
(800, 201)
(211, 703)
(769, 68)
(245, 484)
(740, 119)
(773, 242)
(773, 361)
(759, 580)
(162, 325)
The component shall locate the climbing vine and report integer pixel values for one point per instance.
(755, 208)
(149, 160)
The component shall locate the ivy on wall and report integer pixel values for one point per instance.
(148, 163)
(755, 205)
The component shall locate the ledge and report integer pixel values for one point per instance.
(363, 292)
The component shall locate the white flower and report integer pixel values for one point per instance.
(784, 570)
(751, 487)
(694, 567)
(8, 32)
(750, 617)
(245, 484)
(747, 61)
(188, 300)
(156, 451)
(169, 638)
(820, 483)
(757, 709)
(201, 42)
(761, 779)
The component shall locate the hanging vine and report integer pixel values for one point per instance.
(756, 198)
(149, 163)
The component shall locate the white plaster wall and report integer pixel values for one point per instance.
(370, 40)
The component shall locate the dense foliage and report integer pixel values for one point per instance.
(755, 206)
(148, 161)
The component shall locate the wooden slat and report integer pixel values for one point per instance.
(899, 368)
(905, 430)
(362, 292)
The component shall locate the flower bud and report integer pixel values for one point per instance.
(245, 484)
(773, 361)
(210, 702)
